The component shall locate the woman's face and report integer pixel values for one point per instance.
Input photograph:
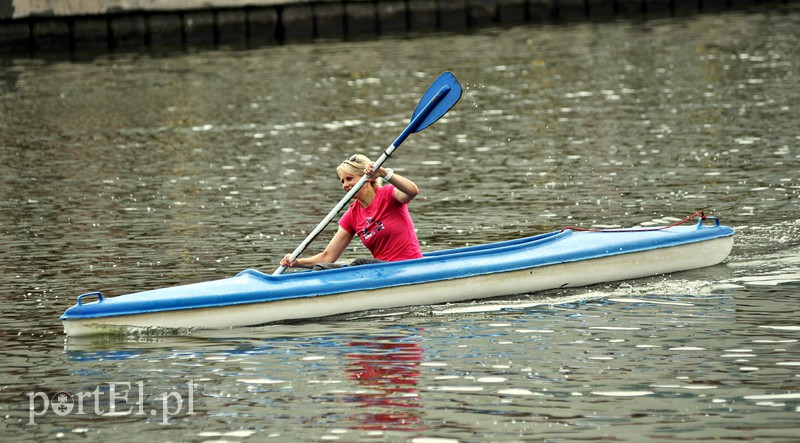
(348, 181)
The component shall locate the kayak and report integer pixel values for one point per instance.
(567, 258)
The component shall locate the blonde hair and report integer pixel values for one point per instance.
(355, 165)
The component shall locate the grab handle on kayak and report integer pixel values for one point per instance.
(90, 294)
(700, 221)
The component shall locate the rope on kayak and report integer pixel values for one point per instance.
(700, 214)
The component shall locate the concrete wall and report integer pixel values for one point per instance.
(30, 8)
(76, 26)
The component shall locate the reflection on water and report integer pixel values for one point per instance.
(135, 172)
(388, 370)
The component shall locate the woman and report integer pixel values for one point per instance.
(379, 216)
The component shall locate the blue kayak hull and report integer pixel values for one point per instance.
(557, 259)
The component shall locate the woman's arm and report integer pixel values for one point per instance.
(404, 189)
(331, 253)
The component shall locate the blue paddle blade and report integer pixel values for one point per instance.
(447, 84)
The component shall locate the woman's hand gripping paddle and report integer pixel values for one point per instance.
(441, 95)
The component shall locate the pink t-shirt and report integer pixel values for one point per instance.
(385, 227)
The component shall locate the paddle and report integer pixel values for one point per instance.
(441, 95)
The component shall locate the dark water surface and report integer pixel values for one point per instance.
(135, 172)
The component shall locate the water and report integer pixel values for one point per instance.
(134, 171)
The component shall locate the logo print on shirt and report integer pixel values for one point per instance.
(371, 229)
